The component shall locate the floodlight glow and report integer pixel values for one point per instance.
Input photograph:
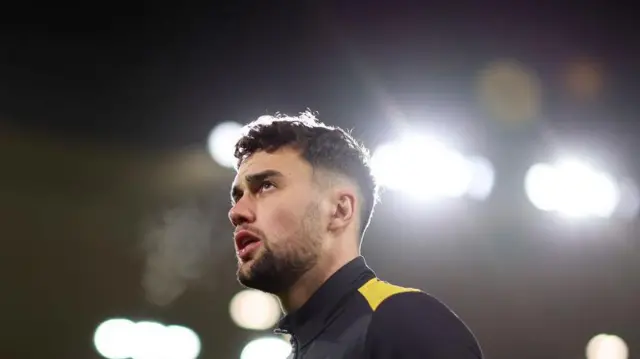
(185, 343)
(572, 188)
(629, 199)
(386, 163)
(221, 142)
(266, 348)
(122, 338)
(604, 346)
(483, 178)
(151, 340)
(541, 186)
(255, 310)
(427, 168)
(113, 338)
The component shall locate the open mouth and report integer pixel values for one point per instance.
(246, 244)
(245, 241)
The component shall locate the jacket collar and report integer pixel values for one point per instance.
(317, 313)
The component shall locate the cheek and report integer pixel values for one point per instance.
(285, 223)
(282, 221)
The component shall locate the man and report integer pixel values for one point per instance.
(302, 199)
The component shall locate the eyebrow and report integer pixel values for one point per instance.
(251, 179)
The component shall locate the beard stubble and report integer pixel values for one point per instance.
(278, 268)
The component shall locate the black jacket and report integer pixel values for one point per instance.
(354, 315)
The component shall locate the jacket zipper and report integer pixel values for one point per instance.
(293, 341)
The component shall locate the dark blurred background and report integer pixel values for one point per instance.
(112, 206)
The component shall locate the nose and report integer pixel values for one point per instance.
(241, 213)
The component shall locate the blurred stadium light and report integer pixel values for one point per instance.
(629, 199)
(584, 78)
(254, 310)
(510, 91)
(122, 339)
(572, 188)
(266, 348)
(605, 346)
(429, 169)
(221, 143)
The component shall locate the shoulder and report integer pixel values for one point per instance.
(376, 291)
(386, 299)
(392, 303)
(407, 321)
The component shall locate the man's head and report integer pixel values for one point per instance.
(304, 190)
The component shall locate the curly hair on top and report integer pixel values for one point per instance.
(322, 146)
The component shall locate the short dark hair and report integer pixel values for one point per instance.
(324, 147)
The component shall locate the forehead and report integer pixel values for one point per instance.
(287, 161)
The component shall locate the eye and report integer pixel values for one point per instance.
(266, 185)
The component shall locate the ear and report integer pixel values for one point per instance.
(344, 209)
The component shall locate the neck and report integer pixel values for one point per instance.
(310, 282)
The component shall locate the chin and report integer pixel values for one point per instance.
(259, 274)
(247, 278)
(246, 265)
(244, 268)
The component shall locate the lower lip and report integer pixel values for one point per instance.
(247, 252)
